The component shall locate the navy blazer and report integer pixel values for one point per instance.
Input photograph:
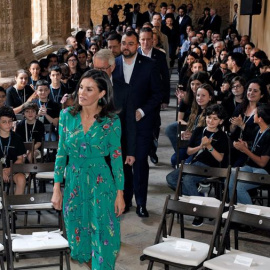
(215, 24)
(145, 83)
(123, 101)
(184, 23)
(161, 61)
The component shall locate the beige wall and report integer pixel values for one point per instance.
(260, 31)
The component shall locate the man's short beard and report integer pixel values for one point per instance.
(130, 55)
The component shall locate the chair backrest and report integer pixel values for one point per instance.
(202, 171)
(30, 146)
(28, 168)
(47, 146)
(180, 143)
(176, 207)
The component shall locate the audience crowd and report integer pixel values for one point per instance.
(223, 92)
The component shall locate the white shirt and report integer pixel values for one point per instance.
(149, 54)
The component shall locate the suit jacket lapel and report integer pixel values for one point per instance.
(136, 69)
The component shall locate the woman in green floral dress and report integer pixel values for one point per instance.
(93, 196)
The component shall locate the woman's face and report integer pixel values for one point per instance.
(94, 49)
(237, 89)
(194, 85)
(72, 62)
(190, 59)
(248, 49)
(209, 33)
(169, 22)
(223, 68)
(34, 70)
(188, 29)
(89, 93)
(254, 93)
(235, 41)
(203, 97)
(21, 80)
(223, 54)
(256, 61)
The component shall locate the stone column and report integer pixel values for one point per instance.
(15, 36)
(59, 21)
(80, 12)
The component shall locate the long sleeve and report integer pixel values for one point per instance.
(61, 157)
(114, 146)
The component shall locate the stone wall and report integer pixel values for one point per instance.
(98, 8)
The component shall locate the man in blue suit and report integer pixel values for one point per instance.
(146, 49)
(142, 74)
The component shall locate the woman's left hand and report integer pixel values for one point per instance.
(119, 205)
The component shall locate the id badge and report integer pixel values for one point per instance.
(3, 160)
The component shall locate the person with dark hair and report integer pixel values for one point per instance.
(74, 69)
(48, 110)
(235, 62)
(57, 89)
(258, 154)
(215, 22)
(110, 19)
(44, 69)
(73, 42)
(62, 54)
(3, 96)
(89, 131)
(208, 148)
(52, 59)
(204, 21)
(148, 15)
(143, 75)
(135, 18)
(114, 44)
(183, 21)
(256, 93)
(163, 9)
(81, 40)
(34, 69)
(82, 57)
(20, 93)
(11, 149)
(31, 129)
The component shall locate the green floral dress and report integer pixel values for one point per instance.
(93, 229)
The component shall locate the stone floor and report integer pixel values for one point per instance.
(138, 233)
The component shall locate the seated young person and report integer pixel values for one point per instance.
(11, 148)
(31, 128)
(57, 88)
(259, 154)
(48, 110)
(208, 148)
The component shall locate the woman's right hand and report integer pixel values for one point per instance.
(57, 197)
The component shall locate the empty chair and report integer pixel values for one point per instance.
(37, 243)
(248, 215)
(181, 252)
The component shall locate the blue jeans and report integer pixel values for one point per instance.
(243, 187)
(171, 133)
(189, 183)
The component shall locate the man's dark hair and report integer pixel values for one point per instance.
(2, 90)
(172, 6)
(132, 33)
(183, 7)
(29, 106)
(52, 55)
(150, 4)
(163, 4)
(238, 58)
(136, 5)
(41, 83)
(7, 112)
(216, 109)
(82, 51)
(146, 30)
(55, 68)
(263, 111)
(115, 36)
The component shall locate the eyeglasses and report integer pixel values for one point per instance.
(237, 86)
(72, 60)
(103, 69)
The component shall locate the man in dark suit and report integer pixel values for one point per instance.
(183, 21)
(142, 74)
(215, 22)
(148, 15)
(146, 49)
(135, 18)
(123, 101)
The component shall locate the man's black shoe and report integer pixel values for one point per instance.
(154, 158)
(142, 211)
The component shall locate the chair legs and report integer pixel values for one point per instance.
(67, 260)
(150, 265)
